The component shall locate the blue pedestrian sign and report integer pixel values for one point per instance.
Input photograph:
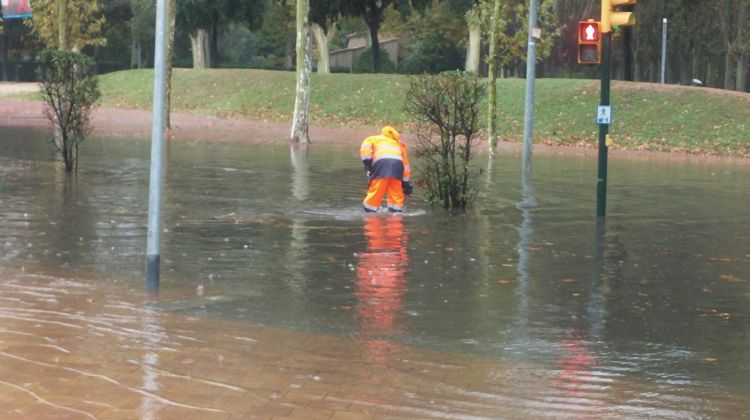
(16, 9)
(604, 114)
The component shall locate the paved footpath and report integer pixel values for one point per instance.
(9, 88)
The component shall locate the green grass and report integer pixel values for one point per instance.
(694, 120)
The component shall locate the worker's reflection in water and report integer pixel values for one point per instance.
(380, 287)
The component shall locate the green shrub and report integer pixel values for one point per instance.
(70, 91)
(446, 109)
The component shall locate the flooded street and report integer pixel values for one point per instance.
(280, 298)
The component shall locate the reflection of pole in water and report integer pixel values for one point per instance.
(380, 286)
(595, 307)
(578, 359)
(153, 335)
(525, 239)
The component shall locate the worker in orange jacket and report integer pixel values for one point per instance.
(387, 167)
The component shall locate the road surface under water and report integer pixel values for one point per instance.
(279, 297)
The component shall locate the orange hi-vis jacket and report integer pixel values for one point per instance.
(385, 157)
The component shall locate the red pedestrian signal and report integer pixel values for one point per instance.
(589, 42)
(588, 31)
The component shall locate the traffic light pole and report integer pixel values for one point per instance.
(601, 180)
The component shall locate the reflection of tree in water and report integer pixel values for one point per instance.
(296, 254)
(68, 222)
(380, 286)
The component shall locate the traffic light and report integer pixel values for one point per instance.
(589, 42)
(612, 16)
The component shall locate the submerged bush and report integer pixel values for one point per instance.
(70, 91)
(446, 109)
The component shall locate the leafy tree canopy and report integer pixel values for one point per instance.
(83, 25)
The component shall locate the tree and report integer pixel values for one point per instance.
(117, 31)
(323, 15)
(194, 17)
(171, 20)
(278, 28)
(473, 48)
(511, 30)
(491, 86)
(304, 67)
(446, 109)
(513, 37)
(202, 20)
(81, 31)
(743, 44)
(141, 29)
(372, 13)
(70, 91)
(433, 37)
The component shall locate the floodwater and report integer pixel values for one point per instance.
(279, 298)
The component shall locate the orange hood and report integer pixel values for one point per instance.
(391, 132)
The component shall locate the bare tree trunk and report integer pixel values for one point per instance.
(652, 71)
(376, 59)
(133, 54)
(637, 60)
(588, 10)
(140, 55)
(728, 68)
(62, 23)
(5, 50)
(627, 53)
(289, 45)
(304, 65)
(741, 80)
(710, 73)
(199, 44)
(726, 24)
(172, 14)
(473, 48)
(323, 40)
(694, 70)
(213, 39)
(207, 48)
(742, 64)
(492, 75)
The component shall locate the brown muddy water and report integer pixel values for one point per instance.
(279, 298)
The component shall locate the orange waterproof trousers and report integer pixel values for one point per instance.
(384, 186)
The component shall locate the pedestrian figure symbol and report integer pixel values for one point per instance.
(604, 114)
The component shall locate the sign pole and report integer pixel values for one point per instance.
(601, 180)
(662, 72)
(153, 254)
(528, 119)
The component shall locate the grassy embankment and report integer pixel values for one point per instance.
(645, 116)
